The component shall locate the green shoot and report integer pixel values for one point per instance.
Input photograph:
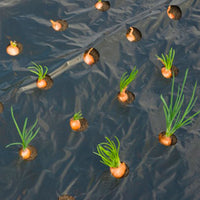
(168, 60)
(26, 136)
(77, 116)
(173, 117)
(109, 153)
(38, 70)
(13, 43)
(127, 79)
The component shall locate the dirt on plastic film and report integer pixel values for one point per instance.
(65, 163)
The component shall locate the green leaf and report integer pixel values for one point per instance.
(15, 143)
(26, 137)
(167, 60)
(127, 79)
(109, 152)
(175, 118)
(78, 116)
(38, 70)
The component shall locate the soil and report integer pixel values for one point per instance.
(66, 197)
(175, 11)
(136, 33)
(33, 152)
(131, 98)
(175, 70)
(1, 107)
(49, 81)
(20, 46)
(173, 138)
(106, 6)
(64, 24)
(127, 171)
(84, 125)
(94, 53)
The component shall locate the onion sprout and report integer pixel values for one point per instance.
(109, 153)
(13, 43)
(26, 136)
(173, 117)
(77, 116)
(168, 59)
(38, 70)
(127, 79)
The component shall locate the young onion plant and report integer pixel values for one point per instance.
(78, 122)
(26, 135)
(38, 70)
(127, 79)
(102, 5)
(174, 116)
(109, 154)
(41, 72)
(125, 96)
(78, 116)
(167, 60)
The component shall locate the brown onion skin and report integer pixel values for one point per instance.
(123, 96)
(167, 140)
(102, 5)
(41, 83)
(88, 59)
(91, 56)
(12, 50)
(120, 171)
(25, 153)
(98, 5)
(56, 25)
(133, 34)
(75, 124)
(174, 12)
(167, 73)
